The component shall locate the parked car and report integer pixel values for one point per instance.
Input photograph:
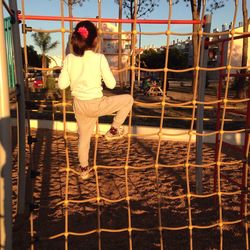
(38, 82)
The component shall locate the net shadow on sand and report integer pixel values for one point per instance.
(49, 190)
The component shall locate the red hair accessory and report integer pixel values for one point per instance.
(83, 32)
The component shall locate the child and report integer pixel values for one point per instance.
(83, 71)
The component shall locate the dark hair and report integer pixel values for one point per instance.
(81, 42)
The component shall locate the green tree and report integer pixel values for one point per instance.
(34, 59)
(43, 41)
(74, 2)
(177, 59)
(70, 4)
(144, 7)
(153, 59)
(156, 59)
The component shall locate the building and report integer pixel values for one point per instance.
(110, 48)
(215, 56)
(237, 47)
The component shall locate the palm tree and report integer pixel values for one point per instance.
(43, 41)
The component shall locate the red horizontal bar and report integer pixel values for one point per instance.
(107, 20)
(227, 39)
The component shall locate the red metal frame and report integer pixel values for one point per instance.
(228, 40)
(108, 20)
(243, 149)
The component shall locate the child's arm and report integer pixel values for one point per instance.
(64, 80)
(107, 75)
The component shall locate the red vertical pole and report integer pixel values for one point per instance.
(244, 176)
(218, 115)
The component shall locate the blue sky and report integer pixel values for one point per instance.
(110, 10)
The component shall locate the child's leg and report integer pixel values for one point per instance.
(85, 129)
(86, 126)
(121, 104)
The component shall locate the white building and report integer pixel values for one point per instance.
(110, 48)
(236, 47)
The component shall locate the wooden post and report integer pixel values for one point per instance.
(5, 148)
(20, 111)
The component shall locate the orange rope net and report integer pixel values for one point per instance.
(188, 165)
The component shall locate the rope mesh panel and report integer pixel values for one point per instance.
(187, 165)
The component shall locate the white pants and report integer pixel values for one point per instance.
(87, 113)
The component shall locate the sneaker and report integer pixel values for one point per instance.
(84, 173)
(115, 133)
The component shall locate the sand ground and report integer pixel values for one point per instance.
(48, 157)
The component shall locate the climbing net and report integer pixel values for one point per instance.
(157, 167)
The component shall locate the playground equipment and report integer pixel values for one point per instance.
(195, 104)
(5, 149)
(242, 150)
